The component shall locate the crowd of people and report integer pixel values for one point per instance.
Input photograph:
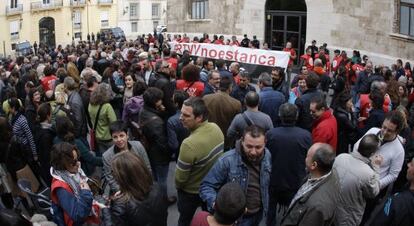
(98, 122)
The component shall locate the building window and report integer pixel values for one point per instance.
(13, 4)
(14, 29)
(133, 10)
(199, 9)
(77, 19)
(78, 35)
(155, 24)
(407, 17)
(104, 19)
(45, 2)
(134, 27)
(155, 10)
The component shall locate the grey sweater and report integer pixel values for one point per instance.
(238, 124)
(134, 146)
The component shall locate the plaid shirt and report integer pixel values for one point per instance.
(307, 187)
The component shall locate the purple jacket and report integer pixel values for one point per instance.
(132, 108)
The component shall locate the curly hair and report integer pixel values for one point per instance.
(62, 154)
(101, 95)
(191, 73)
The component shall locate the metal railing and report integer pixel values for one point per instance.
(15, 10)
(105, 2)
(104, 23)
(52, 4)
(77, 25)
(77, 3)
(14, 36)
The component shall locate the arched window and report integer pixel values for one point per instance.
(199, 9)
(406, 17)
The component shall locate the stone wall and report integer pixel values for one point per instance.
(228, 17)
(366, 25)
(370, 26)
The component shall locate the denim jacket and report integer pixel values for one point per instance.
(231, 168)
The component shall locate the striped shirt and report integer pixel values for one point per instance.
(198, 153)
(23, 134)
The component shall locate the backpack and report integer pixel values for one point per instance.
(69, 113)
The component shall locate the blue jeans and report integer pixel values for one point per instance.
(160, 175)
(251, 220)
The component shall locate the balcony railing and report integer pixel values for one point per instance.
(105, 23)
(14, 36)
(77, 25)
(14, 11)
(53, 4)
(78, 3)
(105, 2)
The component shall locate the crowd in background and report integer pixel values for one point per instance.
(329, 147)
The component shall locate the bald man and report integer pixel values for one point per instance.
(315, 202)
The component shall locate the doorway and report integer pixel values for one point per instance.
(47, 32)
(286, 22)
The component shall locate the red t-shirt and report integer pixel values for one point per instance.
(218, 42)
(292, 54)
(48, 82)
(194, 89)
(173, 62)
(336, 62)
(236, 43)
(200, 219)
(308, 61)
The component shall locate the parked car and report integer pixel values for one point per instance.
(115, 32)
(161, 28)
(23, 48)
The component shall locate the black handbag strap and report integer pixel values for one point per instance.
(248, 121)
(191, 84)
(97, 117)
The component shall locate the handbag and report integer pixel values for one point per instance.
(92, 141)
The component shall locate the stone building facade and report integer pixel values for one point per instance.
(371, 26)
(137, 17)
(53, 21)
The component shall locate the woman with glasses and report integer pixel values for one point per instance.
(70, 193)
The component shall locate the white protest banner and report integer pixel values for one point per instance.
(234, 53)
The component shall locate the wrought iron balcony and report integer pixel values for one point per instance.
(77, 26)
(18, 9)
(50, 5)
(78, 3)
(105, 2)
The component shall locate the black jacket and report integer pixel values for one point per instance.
(152, 211)
(288, 146)
(44, 142)
(317, 207)
(397, 211)
(303, 103)
(347, 129)
(375, 119)
(154, 130)
(163, 83)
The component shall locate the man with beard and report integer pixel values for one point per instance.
(249, 165)
(278, 82)
(240, 90)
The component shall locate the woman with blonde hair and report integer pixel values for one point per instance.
(139, 201)
(102, 115)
